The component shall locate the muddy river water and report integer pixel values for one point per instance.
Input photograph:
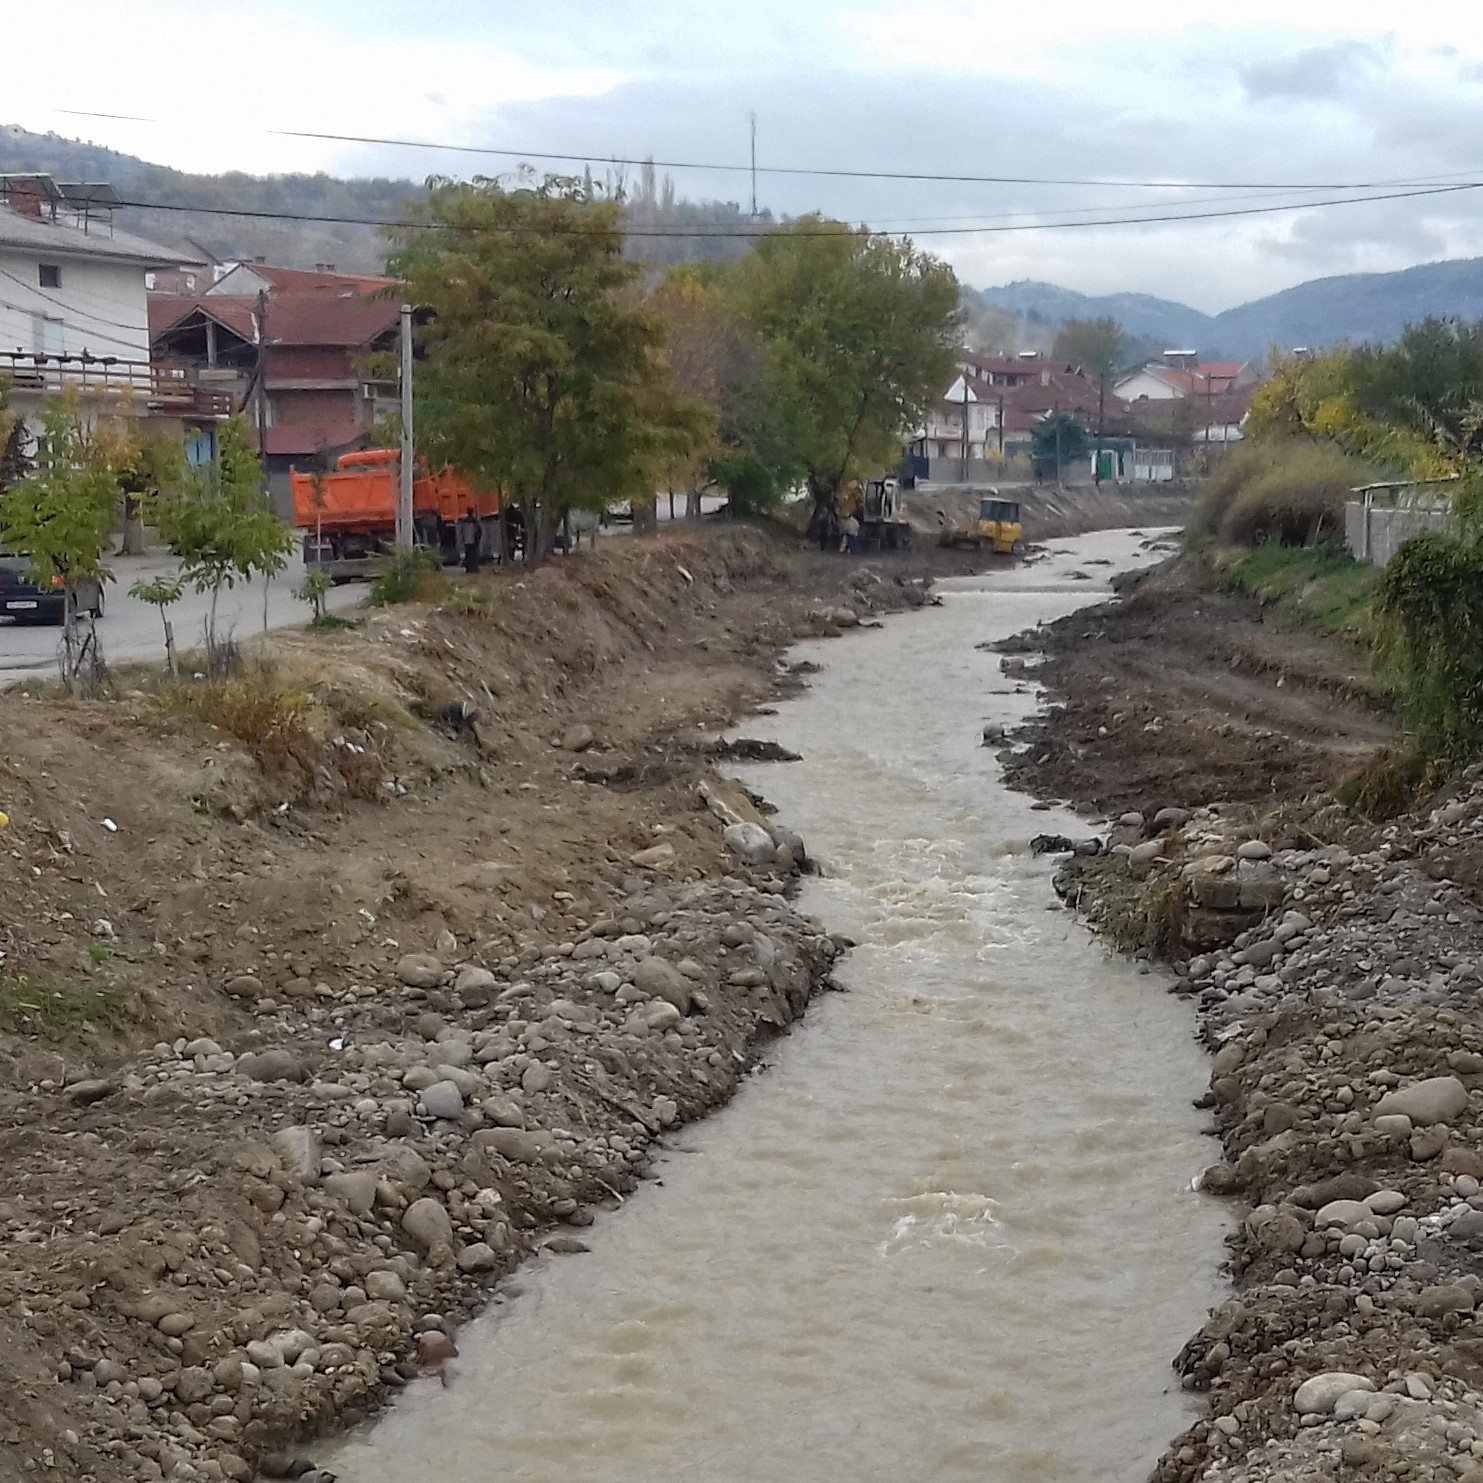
(948, 1233)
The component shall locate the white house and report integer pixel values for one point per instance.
(1153, 384)
(73, 303)
(968, 410)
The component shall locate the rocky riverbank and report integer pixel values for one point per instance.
(327, 1006)
(1335, 967)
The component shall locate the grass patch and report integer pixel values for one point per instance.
(1284, 490)
(331, 623)
(406, 574)
(1392, 783)
(469, 601)
(1317, 585)
(30, 1005)
(1133, 915)
(272, 721)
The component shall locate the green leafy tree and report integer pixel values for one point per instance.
(162, 593)
(150, 465)
(1057, 440)
(314, 589)
(222, 528)
(543, 371)
(859, 331)
(1098, 347)
(15, 441)
(59, 517)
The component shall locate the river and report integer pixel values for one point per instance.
(949, 1232)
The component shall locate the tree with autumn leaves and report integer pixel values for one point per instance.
(548, 372)
(818, 351)
(543, 370)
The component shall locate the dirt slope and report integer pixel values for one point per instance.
(1180, 694)
(319, 1012)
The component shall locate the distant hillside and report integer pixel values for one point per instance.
(1355, 306)
(301, 244)
(1171, 325)
(1324, 311)
(290, 244)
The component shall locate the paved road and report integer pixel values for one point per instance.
(131, 629)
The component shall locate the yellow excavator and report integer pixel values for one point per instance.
(998, 525)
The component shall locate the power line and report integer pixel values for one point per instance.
(117, 324)
(936, 177)
(94, 335)
(754, 233)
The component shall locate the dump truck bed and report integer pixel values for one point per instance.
(365, 498)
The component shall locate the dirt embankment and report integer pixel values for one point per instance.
(1336, 968)
(1048, 511)
(1183, 694)
(323, 1011)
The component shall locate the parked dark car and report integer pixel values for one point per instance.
(25, 600)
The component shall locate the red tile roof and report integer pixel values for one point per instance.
(303, 280)
(1226, 370)
(323, 319)
(1020, 365)
(168, 310)
(352, 322)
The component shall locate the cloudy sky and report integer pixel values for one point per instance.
(1254, 96)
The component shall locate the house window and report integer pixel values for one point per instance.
(48, 335)
(51, 275)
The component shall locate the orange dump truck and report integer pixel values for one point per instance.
(349, 517)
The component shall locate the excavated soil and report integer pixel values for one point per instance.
(1181, 694)
(1336, 970)
(320, 1011)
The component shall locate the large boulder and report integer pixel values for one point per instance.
(297, 1148)
(1438, 1099)
(660, 979)
(272, 1065)
(1318, 1395)
(750, 842)
(428, 1224)
(420, 970)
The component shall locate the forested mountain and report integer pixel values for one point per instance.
(1324, 311)
(1021, 315)
(705, 229)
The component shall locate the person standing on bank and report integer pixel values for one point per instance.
(470, 538)
(851, 531)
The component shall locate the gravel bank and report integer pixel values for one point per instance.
(307, 1051)
(1336, 969)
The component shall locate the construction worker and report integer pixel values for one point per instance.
(470, 540)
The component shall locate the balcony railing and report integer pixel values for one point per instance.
(151, 386)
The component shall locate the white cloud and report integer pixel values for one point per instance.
(1167, 89)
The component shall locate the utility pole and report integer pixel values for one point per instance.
(262, 386)
(753, 118)
(404, 500)
(1101, 409)
(967, 444)
(1001, 427)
